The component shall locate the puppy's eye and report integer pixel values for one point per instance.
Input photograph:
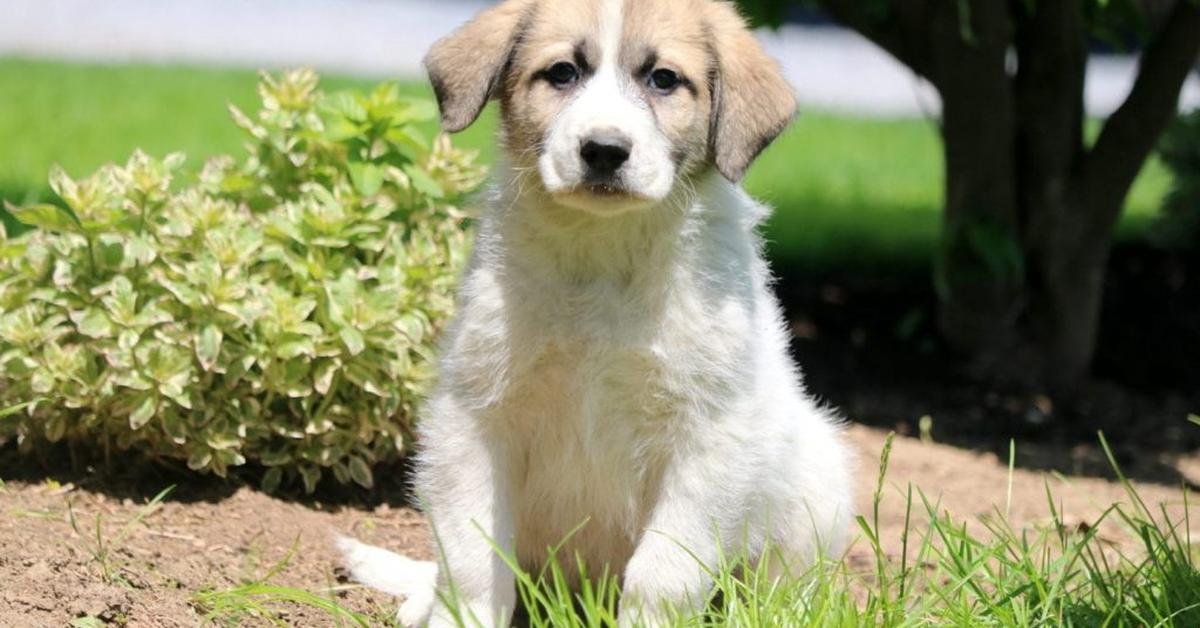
(561, 74)
(664, 80)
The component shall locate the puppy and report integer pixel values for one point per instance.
(616, 382)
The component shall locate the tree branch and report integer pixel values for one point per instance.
(1133, 129)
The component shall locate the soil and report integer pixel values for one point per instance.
(210, 535)
(866, 345)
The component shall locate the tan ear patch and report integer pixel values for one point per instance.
(466, 66)
(753, 103)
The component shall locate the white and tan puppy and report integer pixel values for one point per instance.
(618, 366)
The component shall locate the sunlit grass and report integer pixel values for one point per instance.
(260, 600)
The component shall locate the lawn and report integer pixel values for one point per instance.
(849, 192)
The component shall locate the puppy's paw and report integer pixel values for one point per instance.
(416, 609)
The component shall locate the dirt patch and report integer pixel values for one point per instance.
(54, 571)
(210, 535)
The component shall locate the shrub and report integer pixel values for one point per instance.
(277, 309)
(1179, 226)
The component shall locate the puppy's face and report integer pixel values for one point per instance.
(609, 110)
(614, 102)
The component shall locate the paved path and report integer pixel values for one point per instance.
(831, 68)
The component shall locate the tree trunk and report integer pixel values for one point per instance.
(1064, 270)
(979, 270)
(1065, 322)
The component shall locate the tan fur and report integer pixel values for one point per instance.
(754, 104)
(528, 106)
(465, 66)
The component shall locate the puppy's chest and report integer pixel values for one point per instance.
(623, 364)
(591, 395)
(590, 431)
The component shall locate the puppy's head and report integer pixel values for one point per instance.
(615, 102)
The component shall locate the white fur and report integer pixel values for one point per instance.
(395, 574)
(623, 375)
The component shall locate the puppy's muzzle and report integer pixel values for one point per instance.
(604, 154)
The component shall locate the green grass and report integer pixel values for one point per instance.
(848, 192)
(104, 551)
(84, 116)
(942, 572)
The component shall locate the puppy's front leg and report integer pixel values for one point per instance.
(668, 570)
(462, 479)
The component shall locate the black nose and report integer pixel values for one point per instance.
(605, 153)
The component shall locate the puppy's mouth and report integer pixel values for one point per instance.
(605, 189)
(603, 197)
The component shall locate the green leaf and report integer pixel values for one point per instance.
(408, 142)
(310, 475)
(11, 410)
(275, 458)
(422, 182)
(46, 216)
(341, 473)
(94, 323)
(141, 249)
(347, 105)
(173, 426)
(367, 177)
(56, 427)
(208, 346)
(199, 460)
(353, 339)
(412, 327)
(11, 250)
(111, 254)
(361, 473)
(323, 375)
(271, 480)
(143, 413)
(62, 184)
(295, 348)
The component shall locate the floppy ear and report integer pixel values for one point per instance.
(752, 103)
(466, 66)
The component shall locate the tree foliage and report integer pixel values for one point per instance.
(1180, 223)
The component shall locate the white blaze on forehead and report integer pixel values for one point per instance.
(612, 18)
